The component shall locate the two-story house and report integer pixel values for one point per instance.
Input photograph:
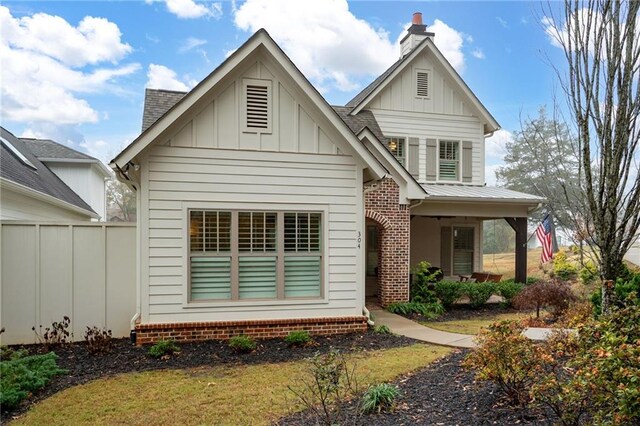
(263, 209)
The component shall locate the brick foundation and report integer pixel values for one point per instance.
(393, 220)
(261, 329)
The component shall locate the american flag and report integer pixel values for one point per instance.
(543, 232)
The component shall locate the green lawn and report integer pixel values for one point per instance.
(222, 395)
(473, 326)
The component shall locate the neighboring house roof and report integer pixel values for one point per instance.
(477, 193)
(368, 93)
(156, 103)
(47, 150)
(260, 39)
(34, 175)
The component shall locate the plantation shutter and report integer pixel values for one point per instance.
(432, 155)
(210, 278)
(414, 157)
(302, 276)
(463, 251)
(467, 161)
(257, 277)
(445, 250)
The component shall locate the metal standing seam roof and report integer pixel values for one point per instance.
(477, 193)
(41, 179)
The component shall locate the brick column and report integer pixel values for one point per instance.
(382, 206)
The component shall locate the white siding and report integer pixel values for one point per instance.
(175, 179)
(436, 126)
(85, 181)
(19, 206)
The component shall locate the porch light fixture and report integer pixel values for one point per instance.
(392, 145)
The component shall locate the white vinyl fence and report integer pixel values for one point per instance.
(85, 271)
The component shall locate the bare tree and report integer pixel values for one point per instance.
(122, 199)
(601, 43)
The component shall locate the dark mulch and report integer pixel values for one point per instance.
(124, 357)
(444, 393)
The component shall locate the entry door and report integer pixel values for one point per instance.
(371, 282)
(463, 244)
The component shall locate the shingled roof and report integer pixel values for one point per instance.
(359, 121)
(46, 148)
(38, 178)
(156, 103)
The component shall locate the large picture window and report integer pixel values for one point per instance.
(239, 255)
(449, 157)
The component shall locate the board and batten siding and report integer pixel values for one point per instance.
(439, 127)
(181, 178)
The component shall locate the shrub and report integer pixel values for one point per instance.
(98, 340)
(298, 338)
(562, 268)
(21, 375)
(164, 349)
(242, 344)
(479, 293)
(379, 398)
(506, 357)
(448, 292)
(508, 290)
(423, 279)
(326, 387)
(622, 290)
(552, 293)
(427, 310)
(589, 273)
(381, 329)
(57, 334)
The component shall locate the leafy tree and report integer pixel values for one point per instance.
(600, 40)
(122, 199)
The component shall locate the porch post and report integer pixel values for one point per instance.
(519, 224)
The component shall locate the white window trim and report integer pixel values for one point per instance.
(406, 148)
(438, 180)
(243, 105)
(415, 83)
(274, 207)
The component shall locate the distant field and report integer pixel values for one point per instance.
(505, 263)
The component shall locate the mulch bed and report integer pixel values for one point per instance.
(124, 357)
(444, 393)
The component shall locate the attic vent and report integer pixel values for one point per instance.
(422, 84)
(257, 95)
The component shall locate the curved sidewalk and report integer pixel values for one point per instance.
(406, 327)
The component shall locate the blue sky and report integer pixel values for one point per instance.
(75, 71)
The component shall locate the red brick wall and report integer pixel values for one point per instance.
(382, 205)
(261, 329)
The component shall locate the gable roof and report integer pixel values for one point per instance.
(260, 39)
(359, 121)
(48, 151)
(156, 103)
(368, 93)
(37, 178)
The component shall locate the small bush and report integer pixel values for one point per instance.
(242, 344)
(298, 338)
(479, 293)
(589, 273)
(508, 290)
(57, 334)
(562, 268)
(423, 279)
(22, 375)
(379, 398)
(448, 292)
(98, 340)
(381, 329)
(164, 348)
(507, 358)
(553, 293)
(427, 310)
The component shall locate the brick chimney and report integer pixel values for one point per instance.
(415, 34)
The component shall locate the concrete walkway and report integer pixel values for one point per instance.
(405, 327)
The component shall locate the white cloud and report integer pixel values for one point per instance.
(191, 43)
(189, 9)
(478, 53)
(495, 146)
(161, 77)
(490, 174)
(331, 46)
(46, 63)
(502, 22)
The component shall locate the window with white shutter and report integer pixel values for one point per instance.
(449, 161)
(257, 105)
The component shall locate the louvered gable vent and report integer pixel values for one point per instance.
(257, 95)
(422, 84)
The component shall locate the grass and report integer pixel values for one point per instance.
(222, 395)
(505, 263)
(473, 326)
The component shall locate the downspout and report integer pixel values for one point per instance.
(367, 314)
